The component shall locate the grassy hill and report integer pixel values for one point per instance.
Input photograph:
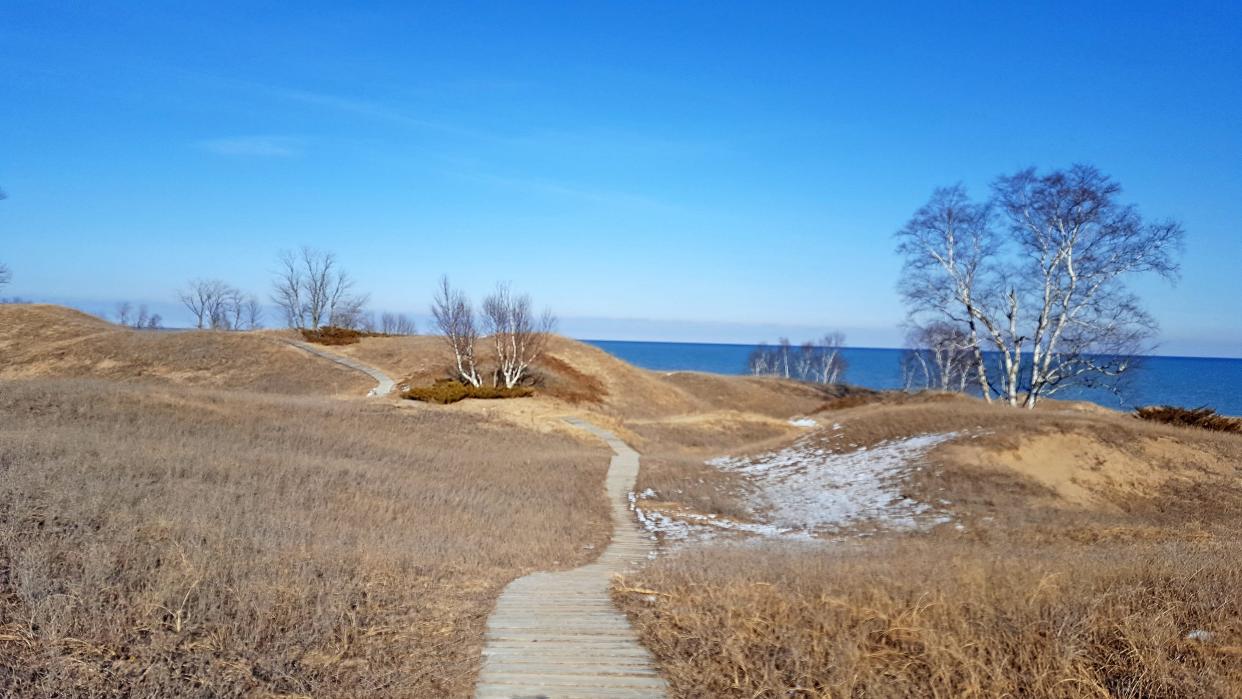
(208, 513)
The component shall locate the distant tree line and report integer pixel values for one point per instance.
(6, 275)
(817, 361)
(141, 319)
(220, 306)
(1025, 293)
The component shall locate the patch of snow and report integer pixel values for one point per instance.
(805, 489)
(803, 422)
(1199, 635)
(836, 425)
(647, 494)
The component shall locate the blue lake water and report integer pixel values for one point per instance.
(1183, 381)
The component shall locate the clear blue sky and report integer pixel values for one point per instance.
(696, 171)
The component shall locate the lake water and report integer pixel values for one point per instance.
(1188, 382)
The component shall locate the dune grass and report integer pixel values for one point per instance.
(1128, 591)
(164, 541)
(946, 619)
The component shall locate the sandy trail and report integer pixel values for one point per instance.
(558, 635)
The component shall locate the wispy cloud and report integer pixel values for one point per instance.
(546, 187)
(253, 146)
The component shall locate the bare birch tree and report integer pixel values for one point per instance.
(949, 248)
(939, 357)
(1078, 245)
(760, 360)
(816, 362)
(829, 364)
(454, 318)
(1052, 284)
(518, 337)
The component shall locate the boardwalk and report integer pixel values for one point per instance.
(383, 383)
(557, 635)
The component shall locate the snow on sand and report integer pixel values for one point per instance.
(807, 489)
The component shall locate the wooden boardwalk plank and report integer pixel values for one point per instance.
(558, 635)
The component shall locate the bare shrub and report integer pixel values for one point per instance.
(332, 335)
(1202, 418)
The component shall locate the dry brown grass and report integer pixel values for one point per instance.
(189, 542)
(1094, 543)
(947, 619)
(50, 341)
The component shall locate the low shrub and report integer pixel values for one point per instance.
(331, 335)
(448, 391)
(1203, 418)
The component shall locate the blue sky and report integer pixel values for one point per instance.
(684, 171)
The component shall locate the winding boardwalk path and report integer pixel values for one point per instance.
(383, 382)
(558, 635)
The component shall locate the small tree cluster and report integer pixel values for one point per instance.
(1034, 279)
(313, 290)
(938, 356)
(142, 319)
(397, 324)
(813, 361)
(220, 306)
(518, 336)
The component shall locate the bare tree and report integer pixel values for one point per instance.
(313, 290)
(6, 275)
(949, 248)
(252, 312)
(939, 357)
(760, 360)
(454, 318)
(349, 312)
(817, 362)
(207, 300)
(517, 335)
(829, 363)
(397, 324)
(123, 311)
(1052, 284)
